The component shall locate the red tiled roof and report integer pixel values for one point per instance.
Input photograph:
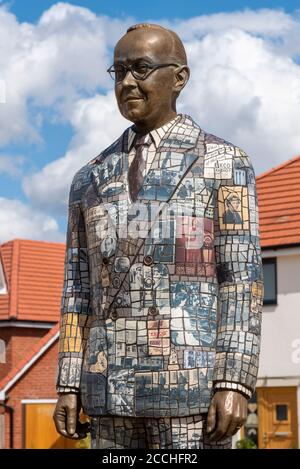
(279, 204)
(36, 351)
(34, 273)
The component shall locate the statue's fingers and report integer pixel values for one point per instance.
(234, 427)
(211, 417)
(220, 431)
(59, 418)
(71, 421)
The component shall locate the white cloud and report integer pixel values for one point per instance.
(11, 165)
(244, 87)
(2, 92)
(20, 220)
(50, 64)
(243, 91)
(265, 22)
(97, 123)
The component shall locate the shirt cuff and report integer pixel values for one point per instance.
(65, 389)
(233, 387)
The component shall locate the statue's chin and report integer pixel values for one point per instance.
(133, 115)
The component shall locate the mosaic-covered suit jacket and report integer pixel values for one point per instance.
(156, 315)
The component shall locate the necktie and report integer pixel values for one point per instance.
(137, 167)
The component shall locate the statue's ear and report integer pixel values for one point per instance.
(181, 77)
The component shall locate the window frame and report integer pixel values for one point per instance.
(286, 404)
(271, 260)
(3, 289)
(2, 353)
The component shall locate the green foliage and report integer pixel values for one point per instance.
(245, 443)
(85, 443)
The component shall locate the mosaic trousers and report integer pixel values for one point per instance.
(112, 432)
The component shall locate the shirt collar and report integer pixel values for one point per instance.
(157, 134)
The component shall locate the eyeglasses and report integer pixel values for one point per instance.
(139, 70)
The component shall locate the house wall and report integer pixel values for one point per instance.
(280, 351)
(37, 383)
(19, 341)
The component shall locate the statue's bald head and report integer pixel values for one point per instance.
(176, 52)
(149, 101)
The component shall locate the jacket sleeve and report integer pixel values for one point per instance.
(75, 304)
(239, 271)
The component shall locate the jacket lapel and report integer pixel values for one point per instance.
(172, 161)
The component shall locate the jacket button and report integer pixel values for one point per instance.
(148, 260)
(153, 310)
(105, 260)
(113, 315)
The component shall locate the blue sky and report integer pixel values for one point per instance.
(60, 109)
(30, 10)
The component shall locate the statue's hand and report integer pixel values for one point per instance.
(66, 417)
(226, 414)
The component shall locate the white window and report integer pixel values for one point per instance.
(2, 353)
(3, 290)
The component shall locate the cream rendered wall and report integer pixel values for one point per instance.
(280, 351)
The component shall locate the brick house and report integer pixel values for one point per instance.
(31, 276)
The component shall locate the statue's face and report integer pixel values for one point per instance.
(147, 102)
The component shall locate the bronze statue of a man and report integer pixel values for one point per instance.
(161, 307)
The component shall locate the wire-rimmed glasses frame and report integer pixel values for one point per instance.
(123, 69)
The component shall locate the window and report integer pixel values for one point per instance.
(2, 353)
(270, 281)
(3, 290)
(281, 412)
